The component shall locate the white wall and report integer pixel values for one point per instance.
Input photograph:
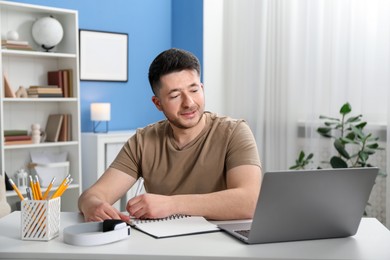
(212, 55)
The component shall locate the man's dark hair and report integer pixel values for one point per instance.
(172, 60)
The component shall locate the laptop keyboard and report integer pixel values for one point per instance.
(244, 232)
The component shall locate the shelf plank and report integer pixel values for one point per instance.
(37, 54)
(40, 145)
(60, 99)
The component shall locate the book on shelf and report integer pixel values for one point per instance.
(15, 132)
(18, 142)
(70, 82)
(48, 95)
(53, 127)
(66, 129)
(63, 79)
(16, 45)
(44, 91)
(59, 128)
(15, 42)
(17, 137)
(177, 225)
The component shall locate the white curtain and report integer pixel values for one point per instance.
(288, 61)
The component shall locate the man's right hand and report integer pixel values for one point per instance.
(100, 211)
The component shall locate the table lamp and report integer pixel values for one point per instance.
(100, 112)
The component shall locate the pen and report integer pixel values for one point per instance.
(16, 189)
(28, 192)
(48, 189)
(139, 187)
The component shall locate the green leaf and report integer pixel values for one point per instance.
(345, 109)
(301, 162)
(330, 123)
(324, 131)
(330, 118)
(337, 162)
(363, 156)
(301, 156)
(367, 137)
(350, 136)
(340, 148)
(361, 125)
(353, 119)
(369, 151)
(373, 146)
(358, 132)
(348, 141)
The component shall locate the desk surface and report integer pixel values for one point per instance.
(371, 242)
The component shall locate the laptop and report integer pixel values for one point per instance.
(307, 204)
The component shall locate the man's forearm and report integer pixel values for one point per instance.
(236, 203)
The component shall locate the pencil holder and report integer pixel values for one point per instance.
(40, 219)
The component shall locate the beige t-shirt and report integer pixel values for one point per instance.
(200, 167)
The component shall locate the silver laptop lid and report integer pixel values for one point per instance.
(311, 204)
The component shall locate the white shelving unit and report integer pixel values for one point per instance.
(26, 68)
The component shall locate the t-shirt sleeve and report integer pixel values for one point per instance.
(242, 148)
(126, 160)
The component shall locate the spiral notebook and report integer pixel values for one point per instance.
(177, 225)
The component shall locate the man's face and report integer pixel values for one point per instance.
(181, 98)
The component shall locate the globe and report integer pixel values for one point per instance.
(47, 32)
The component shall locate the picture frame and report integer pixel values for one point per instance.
(103, 56)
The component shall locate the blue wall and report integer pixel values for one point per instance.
(187, 26)
(153, 26)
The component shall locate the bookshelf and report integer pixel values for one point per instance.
(28, 68)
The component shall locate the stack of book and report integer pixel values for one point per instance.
(63, 79)
(12, 137)
(44, 91)
(15, 45)
(59, 128)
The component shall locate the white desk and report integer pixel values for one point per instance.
(371, 242)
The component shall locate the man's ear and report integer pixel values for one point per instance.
(156, 102)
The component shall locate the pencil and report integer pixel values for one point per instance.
(48, 189)
(58, 191)
(16, 189)
(32, 186)
(38, 186)
(65, 187)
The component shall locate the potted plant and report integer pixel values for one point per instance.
(346, 132)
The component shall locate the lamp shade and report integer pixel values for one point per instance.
(100, 111)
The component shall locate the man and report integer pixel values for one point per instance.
(193, 163)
